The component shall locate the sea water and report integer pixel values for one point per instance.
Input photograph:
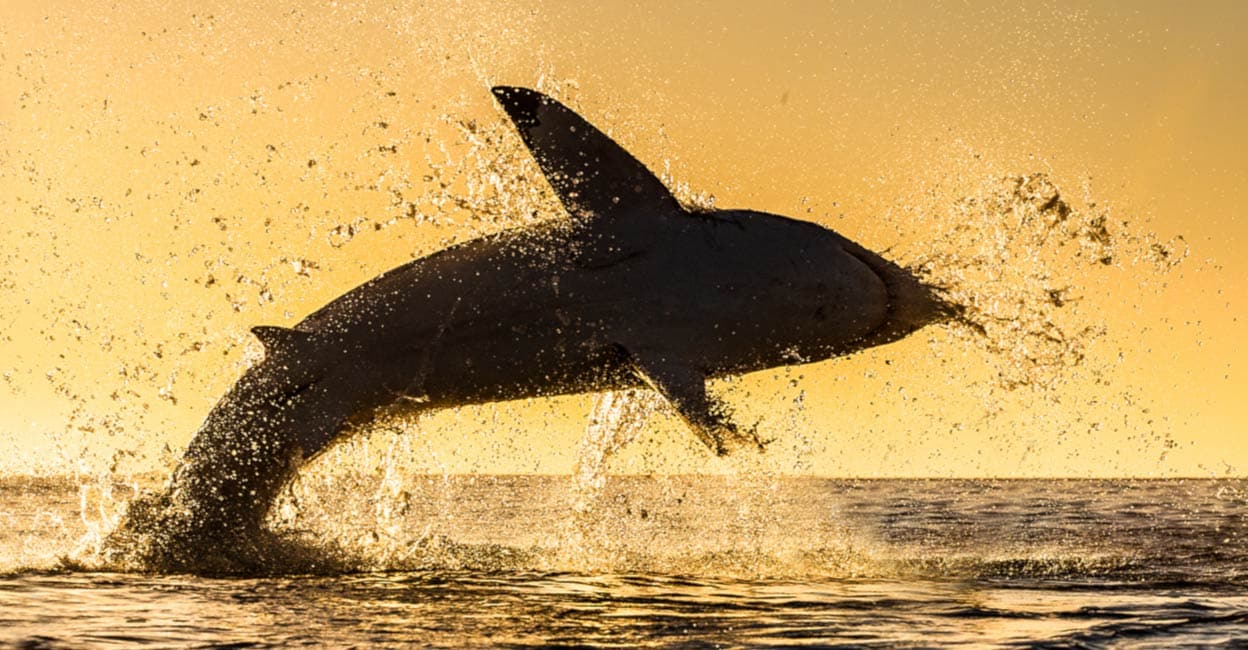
(725, 561)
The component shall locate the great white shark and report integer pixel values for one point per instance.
(633, 289)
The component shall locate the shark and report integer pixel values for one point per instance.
(631, 289)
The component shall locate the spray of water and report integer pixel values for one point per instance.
(1017, 258)
(618, 418)
(1015, 255)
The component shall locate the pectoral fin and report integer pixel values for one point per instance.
(684, 386)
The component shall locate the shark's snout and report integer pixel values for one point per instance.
(914, 304)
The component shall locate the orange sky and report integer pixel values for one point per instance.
(172, 173)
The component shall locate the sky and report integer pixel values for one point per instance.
(173, 173)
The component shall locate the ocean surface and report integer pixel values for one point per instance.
(685, 561)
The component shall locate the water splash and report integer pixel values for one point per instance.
(1016, 259)
(1015, 253)
(1020, 259)
(617, 418)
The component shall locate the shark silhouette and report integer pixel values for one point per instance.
(633, 290)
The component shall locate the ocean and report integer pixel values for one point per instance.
(644, 561)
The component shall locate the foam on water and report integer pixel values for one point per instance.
(1032, 532)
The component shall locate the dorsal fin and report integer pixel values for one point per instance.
(278, 340)
(592, 174)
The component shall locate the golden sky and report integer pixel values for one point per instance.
(172, 173)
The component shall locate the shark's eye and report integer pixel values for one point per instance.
(820, 314)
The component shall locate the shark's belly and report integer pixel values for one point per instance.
(521, 362)
(499, 359)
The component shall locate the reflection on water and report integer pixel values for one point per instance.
(690, 559)
(518, 609)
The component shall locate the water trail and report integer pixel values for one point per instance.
(100, 509)
(367, 500)
(617, 418)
